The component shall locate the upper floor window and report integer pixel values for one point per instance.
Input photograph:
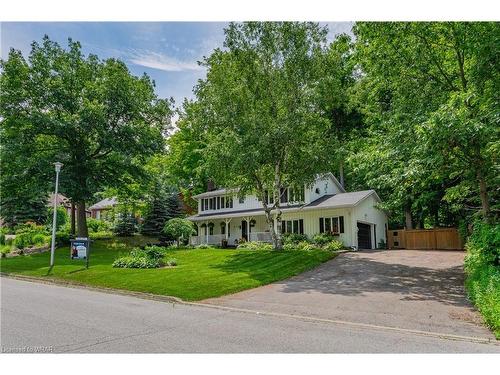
(241, 200)
(283, 195)
(268, 197)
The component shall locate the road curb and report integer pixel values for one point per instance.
(70, 284)
(174, 300)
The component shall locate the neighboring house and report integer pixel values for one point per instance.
(98, 210)
(323, 207)
(64, 202)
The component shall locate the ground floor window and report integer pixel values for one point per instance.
(292, 226)
(333, 225)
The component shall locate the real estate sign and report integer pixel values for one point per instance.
(80, 249)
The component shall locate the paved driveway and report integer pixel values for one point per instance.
(416, 290)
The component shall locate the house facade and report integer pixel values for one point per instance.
(322, 207)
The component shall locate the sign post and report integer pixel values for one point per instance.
(80, 249)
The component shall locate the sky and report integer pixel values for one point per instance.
(167, 51)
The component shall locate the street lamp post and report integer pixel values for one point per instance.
(54, 217)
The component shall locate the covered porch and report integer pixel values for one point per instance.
(231, 230)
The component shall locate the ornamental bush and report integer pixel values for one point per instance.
(151, 258)
(334, 245)
(255, 245)
(97, 225)
(294, 238)
(179, 229)
(323, 238)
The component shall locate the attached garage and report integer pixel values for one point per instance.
(364, 236)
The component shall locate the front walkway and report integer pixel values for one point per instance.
(407, 289)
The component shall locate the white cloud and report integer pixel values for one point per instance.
(160, 61)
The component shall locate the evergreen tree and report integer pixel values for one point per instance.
(155, 219)
(174, 206)
(125, 224)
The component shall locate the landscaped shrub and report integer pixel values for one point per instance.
(334, 246)
(255, 245)
(62, 218)
(204, 246)
(294, 238)
(150, 258)
(304, 245)
(323, 238)
(2, 238)
(136, 262)
(483, 272)
(179, 229)
(22, 240)
(39, 239)
(171, 262)
(62, 238)
(96, 225)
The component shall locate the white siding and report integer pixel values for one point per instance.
(311, 221)
(366, 212)
(325, 186)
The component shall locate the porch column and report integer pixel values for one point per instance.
(248, 228)
(206, 231)
(227, 221)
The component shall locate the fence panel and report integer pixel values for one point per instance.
(425, 239)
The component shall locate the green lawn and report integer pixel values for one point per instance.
(199, 274)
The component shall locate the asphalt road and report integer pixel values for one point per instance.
(50, 318)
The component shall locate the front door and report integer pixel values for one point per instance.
(244, 230)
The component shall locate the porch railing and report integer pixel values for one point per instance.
(261, 236)
(214, 239)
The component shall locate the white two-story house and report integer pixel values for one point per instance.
(322, 207)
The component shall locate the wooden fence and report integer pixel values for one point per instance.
(425, 239)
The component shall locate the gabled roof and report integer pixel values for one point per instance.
(232, 191)
(342, 200)
(105, 203)
(61, 200)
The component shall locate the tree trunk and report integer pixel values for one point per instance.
(82, 230)
(408, 217)
(483, 193)
(73, 219)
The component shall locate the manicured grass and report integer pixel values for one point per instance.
(199, 274)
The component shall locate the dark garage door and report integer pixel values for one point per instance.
(364, 236)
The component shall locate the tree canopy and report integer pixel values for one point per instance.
(92, 115)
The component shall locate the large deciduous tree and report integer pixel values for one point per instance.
(90, 114)
(260, 111)
(430, 94)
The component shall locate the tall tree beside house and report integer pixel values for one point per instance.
(261, 122)
(429, 91)
(336, 81)
(90, 114)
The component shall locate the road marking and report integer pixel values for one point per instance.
(174, 300)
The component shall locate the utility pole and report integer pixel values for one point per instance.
(54, 217)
